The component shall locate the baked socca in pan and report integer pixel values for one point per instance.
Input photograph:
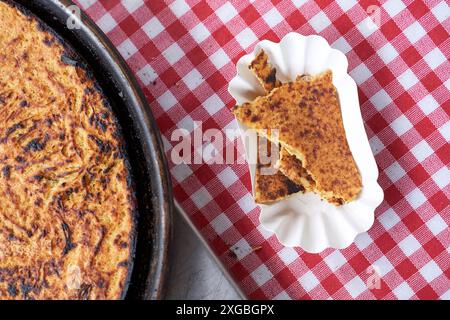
(66, 202)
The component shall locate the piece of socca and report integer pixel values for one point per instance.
(270, 184)
(287, 164)
(264, 71)
(274, 186)
(308, 117)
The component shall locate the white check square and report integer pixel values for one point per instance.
(422, 150)
(147, 74)
(363, 240)
(282, 296)
(226, 12)
(355, 287)
(167, 100)
(127, 49)
(446, 295)
(264, 232)
(435, 58)
(221, 224)
(367, 27)
(241, 248)
(228, 177)
(106, 23)
(393, 7)
(409, 245)
(173, 53)
(442, 177)
(428, 104)
(361, 73)
(288, 255)
(408, 79)
(403, 291)
(261, 275)
(383, 265)
(389, 219)
(247, 203)
(201, 197)
(430, 271)
(246, 37)
(401, 125)
(299, 3)
(86, 3)
(376, 145)
(414, 32)
(180, 172)
(381, 99)
(319, 22)
(342, 45)
(193, 79)
(199, 33)
(153, 27)
(416, 198)
(395, 171)
(213, 104)
(132, 5)
(335, 260)
(436, 224)
(272, 17)
(219, 58)
(444, 130)
(187, 123)
(309, 281)
(441, 11)
(179, 8)
(346, 4)
(387, 53)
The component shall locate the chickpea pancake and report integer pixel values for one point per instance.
(66, 200)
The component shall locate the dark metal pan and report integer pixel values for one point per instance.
(144, 146)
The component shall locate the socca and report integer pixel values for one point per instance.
(66, 200)
(308, 117)
(271, 187)
(274, 186)
(288, 165)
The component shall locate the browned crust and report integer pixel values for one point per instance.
(308, 117)
(265, 73)
(66, 207)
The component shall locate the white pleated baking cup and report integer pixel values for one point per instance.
(304, 220)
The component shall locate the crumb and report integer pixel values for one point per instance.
(256, 248)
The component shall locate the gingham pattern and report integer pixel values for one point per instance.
(184, 53)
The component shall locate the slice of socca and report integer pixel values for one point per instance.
(273, 186)
(288, 165)
(270, 184)
(308, 117)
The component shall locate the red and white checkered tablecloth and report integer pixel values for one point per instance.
(184, 53)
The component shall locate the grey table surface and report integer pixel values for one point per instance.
(194, 272)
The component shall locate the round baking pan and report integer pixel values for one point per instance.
(144, 146)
